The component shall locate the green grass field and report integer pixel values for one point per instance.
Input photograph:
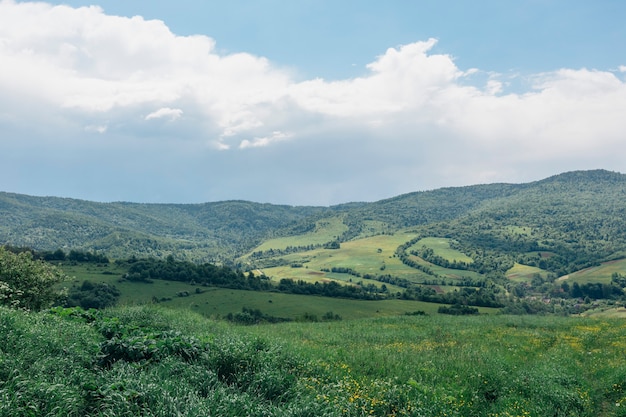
(372, 255)
(325, 231)
(441, 247)
(218, 302)
(152, 361)
(600, 273)
(524, 273)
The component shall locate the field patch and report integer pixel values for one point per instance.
(441, 247)
(220, 302)
(373, 255)
(601, 273)
(324, 231)
(524, 273)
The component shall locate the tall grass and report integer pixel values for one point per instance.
(155, 362)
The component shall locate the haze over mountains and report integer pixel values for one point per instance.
(580, 212)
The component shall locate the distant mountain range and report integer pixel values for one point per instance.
(580, 216)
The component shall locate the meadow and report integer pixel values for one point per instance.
(219, 302)
(601, 273)
(151, 361)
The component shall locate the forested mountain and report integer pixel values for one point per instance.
(211, 231)
(579, 216)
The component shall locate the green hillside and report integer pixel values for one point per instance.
(505, 242)
(413, 306)
(211, 231)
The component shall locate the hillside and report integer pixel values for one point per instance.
(211, 231)
(574, 220)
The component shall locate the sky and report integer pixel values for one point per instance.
(309, 102)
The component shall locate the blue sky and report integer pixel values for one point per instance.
(305, 102)
(336, 39)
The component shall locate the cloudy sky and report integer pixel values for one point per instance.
(309, 102)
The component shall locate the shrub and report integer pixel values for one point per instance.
(92, 295)
(26, 283)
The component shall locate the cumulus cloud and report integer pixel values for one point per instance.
(414, 120)
(264, 141)
(165, 113)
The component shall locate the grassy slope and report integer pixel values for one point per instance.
(365, 256)
(218, 302)
(601, 273)
(524, 273)
(402, 366)
(441, 247)
(325, 231)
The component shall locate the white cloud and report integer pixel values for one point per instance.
(413, 115)
(264, 141)
(165, 112)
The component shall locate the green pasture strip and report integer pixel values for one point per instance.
(306, 274)
(601, 273)
(445, 273)
(373, 255)
(608, 312)
(441, 247)
(326, 230)
(220, 302)
(525, 273)
(92, 272)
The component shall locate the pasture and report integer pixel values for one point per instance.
(524, 273)
(371, 255)
(601, 273)
(218, 302)
(441, 247)
(324, 231)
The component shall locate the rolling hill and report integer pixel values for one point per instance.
(560, 224)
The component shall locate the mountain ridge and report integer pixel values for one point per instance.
(219, 231)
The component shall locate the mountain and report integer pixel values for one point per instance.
(208, 231)
(579, 217)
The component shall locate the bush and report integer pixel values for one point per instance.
(26, 283)
(92, 295)
(457, 310)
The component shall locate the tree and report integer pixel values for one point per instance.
(26, 283)
(92, 295)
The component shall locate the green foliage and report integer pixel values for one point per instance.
(123, 229)
(566, 225)
(457, 310)
(148, 269)
(26, 283)
(250, 316)
(153, 362)
(92, 295)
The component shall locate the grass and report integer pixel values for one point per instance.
(441, 247)
(524, 273)
(325, 230)
(218, 302)
(601, 273)
(371, 255)
(151, 361)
